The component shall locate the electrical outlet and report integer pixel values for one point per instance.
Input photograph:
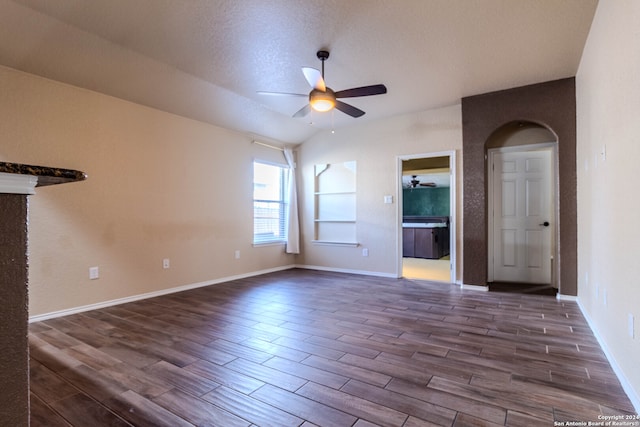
(94, 273)
(631, 326)
(365, 252)
(237, 254)
(166, 263)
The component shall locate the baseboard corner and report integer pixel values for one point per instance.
(478, 288)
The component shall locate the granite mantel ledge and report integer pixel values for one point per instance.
(45, 175)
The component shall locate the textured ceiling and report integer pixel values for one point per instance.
(206, 59)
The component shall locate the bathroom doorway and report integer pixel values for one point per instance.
(427, 217)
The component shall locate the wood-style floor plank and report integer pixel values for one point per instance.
(142, 412)
(42, 415)
(308, 373)
(198, 411)
(48, 386)
(348, 371)
(253, 410)
(358, 406)
(225, 376)
(494, 413)
(80, 409)
(309, 348)
(416, 408)
(304, 408)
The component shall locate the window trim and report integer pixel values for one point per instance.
(283, 204)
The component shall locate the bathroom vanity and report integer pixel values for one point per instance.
(425, 236)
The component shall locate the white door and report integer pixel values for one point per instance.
(523, 220)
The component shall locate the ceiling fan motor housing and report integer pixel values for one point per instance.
(322, 101)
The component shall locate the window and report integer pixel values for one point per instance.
(269, 204)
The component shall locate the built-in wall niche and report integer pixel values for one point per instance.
(335, 203)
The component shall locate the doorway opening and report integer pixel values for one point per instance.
(522, 209)
(427, 217)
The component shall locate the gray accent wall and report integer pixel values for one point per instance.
(552, 105)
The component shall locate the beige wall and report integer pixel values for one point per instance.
(160, 186)
(375, 147)
(608, 110)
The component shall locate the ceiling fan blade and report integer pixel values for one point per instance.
(362, 91)
(303, 111)
(261, 92)
(349, 109)
(314, 77)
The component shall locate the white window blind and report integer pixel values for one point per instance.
(269, 204)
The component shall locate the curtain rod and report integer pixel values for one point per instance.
(273, 147)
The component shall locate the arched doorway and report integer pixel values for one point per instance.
(551, 104)
(522, 208)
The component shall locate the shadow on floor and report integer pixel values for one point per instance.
(523, 288)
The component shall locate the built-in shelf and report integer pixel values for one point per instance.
(335, 204)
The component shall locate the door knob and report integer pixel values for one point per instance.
(546, 223)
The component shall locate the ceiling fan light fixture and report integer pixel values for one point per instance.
(322, 105)
(322, 101)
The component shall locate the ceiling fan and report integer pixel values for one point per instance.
(416, 182)
(322, 98)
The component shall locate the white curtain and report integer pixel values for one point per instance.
(292, 226)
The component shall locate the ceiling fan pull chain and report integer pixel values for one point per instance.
(333, 115)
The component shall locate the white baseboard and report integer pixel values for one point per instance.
(561, 297)
(132, 298)
(632, 393)
(479, 288)
(349, 271)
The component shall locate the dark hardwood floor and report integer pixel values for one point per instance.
(305, 348)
